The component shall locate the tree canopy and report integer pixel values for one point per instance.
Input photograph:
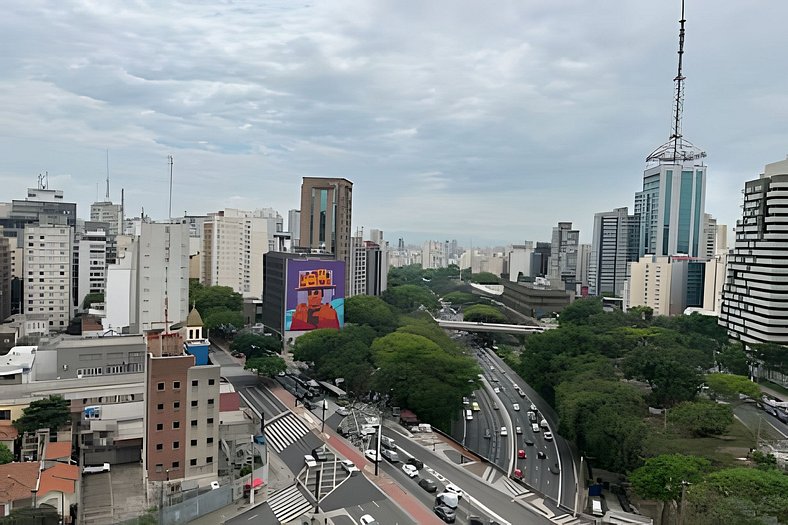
(266, 366)
(51, 412)
(6, 456)
(459, 298)
(730, 386)
(91, 298)
(222, 317)
(661, 477)
(371, 311)
(483, 313)
(207, 297)
(410, 297)
(701, 418)
(254, 345)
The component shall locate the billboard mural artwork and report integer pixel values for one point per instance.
(315, 295)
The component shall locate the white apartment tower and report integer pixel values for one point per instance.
(47, 280)
(755, 293)
(433, 255)
(92, 264)
(112, 214)
(234, 242)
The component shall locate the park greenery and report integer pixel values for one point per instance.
(220, 307)
(6, 456)
(482, 313)
(50, 412)
(266, 365)
(255, 345)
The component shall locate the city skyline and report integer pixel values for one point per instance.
(434, 112)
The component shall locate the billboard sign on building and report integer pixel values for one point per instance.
(315, 295)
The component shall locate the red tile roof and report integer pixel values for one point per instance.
(17, 480)
(60, 477)
(7, 431)
(57, 450)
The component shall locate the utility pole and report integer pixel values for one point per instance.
(251, 474)
(377, 448)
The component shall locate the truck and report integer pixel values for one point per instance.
(96, 469)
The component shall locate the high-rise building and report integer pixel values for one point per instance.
(755, 297)
(112, 214)
(234, 243)
(583, 263)
(326, 211)
(369, 260)
(47, 280)
(294, 226)
(614, 244)
(540, 266)
(5, 278)
(658, 282)
(709, 247)
(520, 259)
(92, 264)
(433, 255)
(563, 256)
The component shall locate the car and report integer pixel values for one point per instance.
(428, 485)
(516, 407)
(497, 390)
(367, 519)
(528, 442)
(454, 489)
(390, 455)
(310, 461)
(495, 380)
(448, 499)
(96, 469)
(371, 455)
(214, 485)
(541, 455)
(518, 474)
(320, 454)
(504, 432)
(487, 434)
(342, 411)
(548, 436)
(543, 424)
(281, 374)
(410, 470)
(533, 407)
(475, 407)
(518, 430)
(521, 454)
(535, 428)
(419, 464)
(492, 369)
(349, 467)
(555, 469)
(445, 513)
(522, 394)
(495, 405)
(466, 401)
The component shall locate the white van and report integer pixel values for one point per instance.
(390, 455)
(388, 442)
(543, 424)
(468, 415)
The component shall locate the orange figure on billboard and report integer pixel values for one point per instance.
(317, 311)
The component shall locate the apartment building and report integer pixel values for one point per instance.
(47, 280)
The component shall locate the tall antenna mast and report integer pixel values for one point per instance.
(679, 79)
(169, 157)
(107, 175)
(677, 149)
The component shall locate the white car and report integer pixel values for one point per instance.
(535, 428)
(410, 470)
(516, 407)
(310, 461)
(548, 436)
(367, 519)
(518, 430)
(454, 489)
(533, 407)
(349, 467)
(96, 469)
(215, 485)
(342, 411)
(371, 455)
(504, 432)
(497, 390)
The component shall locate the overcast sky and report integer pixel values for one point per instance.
(458, 119)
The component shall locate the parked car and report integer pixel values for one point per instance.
(548, 436)
(410, 470)
(310, 461)
(96, 469)
(445, 513)
(342, 411)
(371, 455)
(428, 485)
(454, 489)
(349, 467)
(390, 455)
(419, 464)
(367, 519)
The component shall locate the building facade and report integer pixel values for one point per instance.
(326, 211)
(111, 214)
(613, 246)
(520, 260)
(563, 256)
(92, 258)
(755, 294)
(658, 282)
(47, 281)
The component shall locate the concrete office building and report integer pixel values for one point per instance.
(755, 295)
(234, 242)
(181, 413)
(540, 265)
(714, 281)
(91, 267)
(614, 244)
(326, 211)
(5, 277)
(47, 280)
(520, 260)
(660, 283)
(563, 256)
(294, 226)
(583, 264)
(153, 271)
(434, 254)
(111, 214)
(368, 275)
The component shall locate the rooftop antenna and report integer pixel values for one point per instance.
(677, 149)
(107, 198)
(169, 158)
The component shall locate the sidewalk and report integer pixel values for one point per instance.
(772, 392)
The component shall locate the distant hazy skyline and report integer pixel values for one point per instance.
(454, 119)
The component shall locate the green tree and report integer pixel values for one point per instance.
(773, 356)
(218, 317)
(92, 298)
(672, 372)
(425, 326)
(459, 298)
(334, 354)
(739, 495)
(733, 359)
(580, 311)
(207, 297)
(371, 311)
(482, 313)
(729, 386)
(485, 278)
(6, 456)
(51, 412)
(266, 366)
(701, 418)
(661, 477)
(254, 345)
(410, 297)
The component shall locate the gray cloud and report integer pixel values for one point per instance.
(490, 121)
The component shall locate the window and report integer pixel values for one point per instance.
(5, 415)
(209, 459)
(176, 424)
(193, 462)
(176, 405)
(209, 440)
(194, 403)
(176, 464)
(160, 406)
(194, 443)
(176, 385)
(159, 426)
(211, 382)
(159, 446)
(159, 467)
(210, 402)
(176, 444)
(194, 422)
(195, 382)
(210, 421)
(160, 386)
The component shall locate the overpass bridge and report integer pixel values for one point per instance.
(491, 327)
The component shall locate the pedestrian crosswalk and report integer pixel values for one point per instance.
(567, 519)
(288, 504)
(284, 431)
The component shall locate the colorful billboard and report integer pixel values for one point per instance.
(315, 295)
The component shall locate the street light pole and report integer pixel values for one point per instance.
(251, 474)
(377, 449)
(325, 407)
